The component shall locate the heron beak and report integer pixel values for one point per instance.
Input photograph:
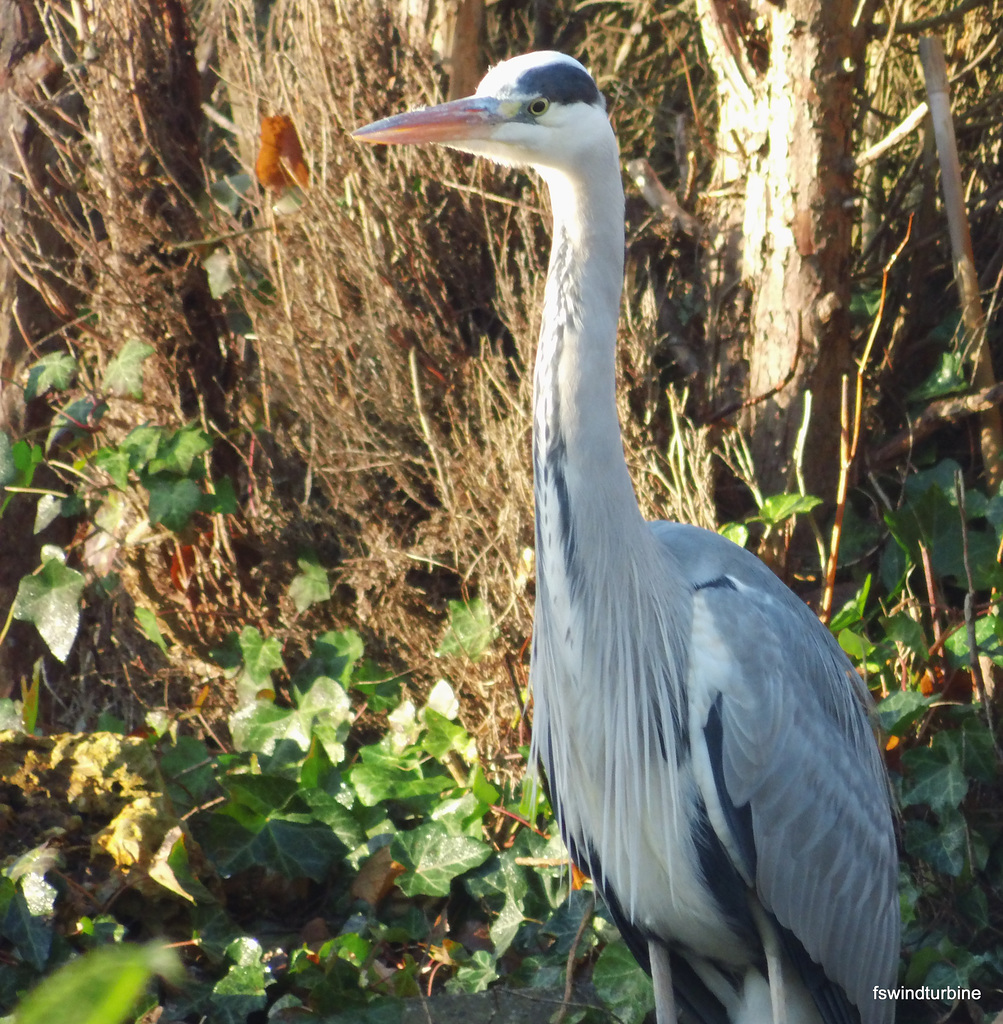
(470, 118)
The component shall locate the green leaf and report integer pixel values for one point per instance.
(943, 846)
(222, 500)
(8, 467)
(334, 654)
(856, 646)
(141, 445)
(173, 501)
(737, 533)
(76, 418)
(934, 777)
(311, 586)
(242, 991)
(30, 933)
(853, 611)
(621, 984)
(900, 710)
(54, 372)
(375, 783)
(116, 463)
(51, 600)
(434, 858)
(124, 374)
(442, 735)
(46, 512)
(230, 191)
(947, 378)
(296, 848)
(930, 518)
(987, 640)
(220, 273)
(471, 630)
(178, 452)
(326, 711)
(262, 656)
(260, 726)
(905, 630)
(778, 508)
(101, 987)
(476, 974)
(149, 625)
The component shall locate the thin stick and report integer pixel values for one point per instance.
(895, 136)
(931, 53)
(848, 442)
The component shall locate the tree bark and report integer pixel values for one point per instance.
(26, 313)
(780, 245)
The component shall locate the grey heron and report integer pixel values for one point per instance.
(707, 743)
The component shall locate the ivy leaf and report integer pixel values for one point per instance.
(434, 858)
(76, 418)
(124, 374)
(471, 630)
(177, 452)
(476, 974)
(935, 777)
(621, 984)
(149, 625)
(899, 710)
(443, 735)
(262, 656)
(311, 586)
(222, 500)
(8, 467)
(54, 372)
(141, 445)
(943, 847)
(51, 600)
(29, 931)
(780, 507)
(241, 992)
(948, 377)
(173, 501)
(296, 849)
(334, 654)
(47, 511)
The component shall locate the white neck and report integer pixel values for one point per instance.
(576, 431)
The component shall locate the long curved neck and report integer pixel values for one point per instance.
(584, 496)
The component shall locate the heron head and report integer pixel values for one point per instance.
(541, 110)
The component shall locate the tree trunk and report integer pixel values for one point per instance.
(780, 246)
(26, 313)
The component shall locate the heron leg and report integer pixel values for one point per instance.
(774, 961)
(661, 977)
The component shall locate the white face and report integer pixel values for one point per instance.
(539, 110)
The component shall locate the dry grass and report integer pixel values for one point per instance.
(398, 355)
(379, 412)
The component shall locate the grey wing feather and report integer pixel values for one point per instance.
(797, 748)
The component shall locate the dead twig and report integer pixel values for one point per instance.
(931, 54)
(661, 199)
(848, 443)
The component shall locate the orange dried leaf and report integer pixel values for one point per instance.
(578, 877)
(376, 877)
(280, 163)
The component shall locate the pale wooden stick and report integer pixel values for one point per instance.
(931, 54)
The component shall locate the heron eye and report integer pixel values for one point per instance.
(538, 106)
